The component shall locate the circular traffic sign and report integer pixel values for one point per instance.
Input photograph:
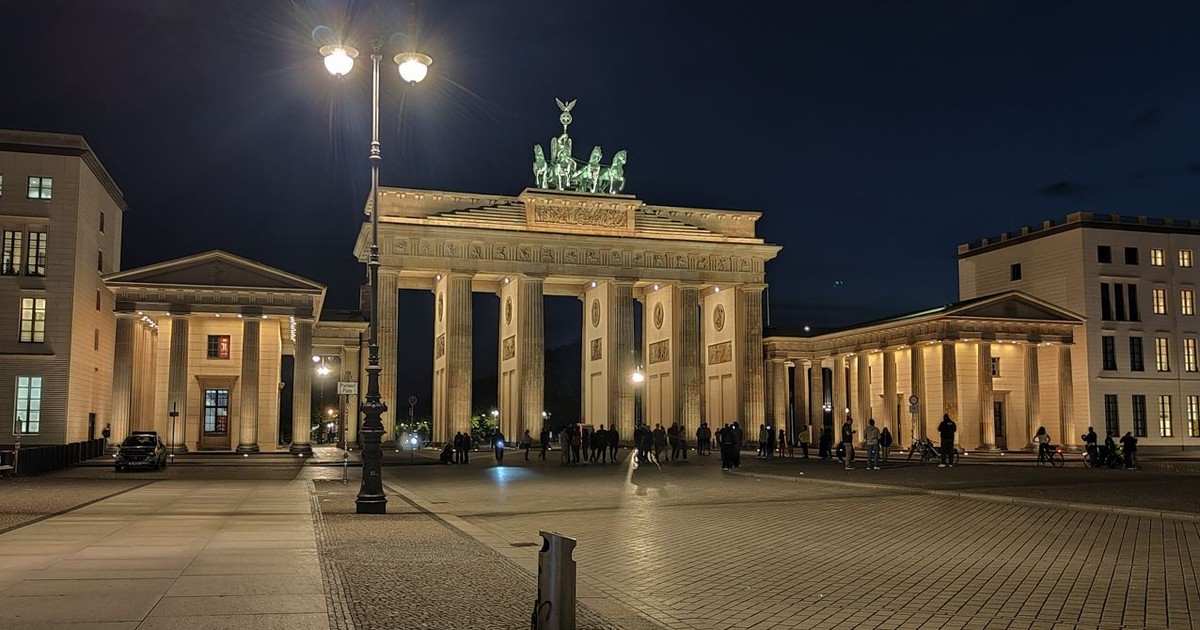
(412, 400)
(912, 400)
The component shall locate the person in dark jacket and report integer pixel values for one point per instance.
(600, 445)
(885, 444)
(727, 442)
(673, 440)
(738, 440)
(498, 445)
(1129, 444)
(946, 430)
(544, 440)
(614, 441)
(848, 442)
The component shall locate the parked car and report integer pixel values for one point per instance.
(141, 449)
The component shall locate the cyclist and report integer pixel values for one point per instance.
(1042, 439)
(1089, 445)
(1110, 447)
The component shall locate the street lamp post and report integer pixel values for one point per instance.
(637, 377)
(339, 60)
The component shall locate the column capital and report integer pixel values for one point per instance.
(751, 287)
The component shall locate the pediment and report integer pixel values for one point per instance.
(1013, 305)
(214, 269)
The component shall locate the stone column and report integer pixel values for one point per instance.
(248, 441)
(122, 403)
(177, 384)
(620, 316)
(779, 395)
(302, 388)
(1066, 398)
(458, 357)
(532, 353)
(690, 380)
(388, 321)
(863, 377)
(987, 417)
(917, 376)
(816, 398)
(750, 346)
(800, 402)
(840, 404)
(889, 396)
(1033, 398)
(949, 381)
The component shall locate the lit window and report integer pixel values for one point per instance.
(29, 405)
(218, 346)
(40, 187)
(995, 366)
(1193, 416)
(1189, 354)
(1162, 354)
(33, 320)
(35, 260)
(1187, 302)
(1160, 301)
(1157, 257)
(1185, 258)
(1139, 415)
(216, 411)
(1164, 416)
(11, 263)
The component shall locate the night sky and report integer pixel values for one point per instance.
(873, 136)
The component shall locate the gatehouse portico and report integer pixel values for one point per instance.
(698, 272)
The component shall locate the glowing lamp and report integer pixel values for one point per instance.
(413, 66)
(338, 59)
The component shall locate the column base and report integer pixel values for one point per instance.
(988, 448)
(301, 449)
(181, 448)
(247, 448)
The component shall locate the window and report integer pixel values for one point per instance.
(97, 299)
(1139, 415)
(1131, 255)
(1187, 302)
(1105, 303)
(1134, 315)
(1136, 355)
(100, 261)
(96, 339)
(218, 346)
(1104, 253)
(1164, 416)
(1193, 416)
(33, 320)
(1160, 301)
(1119, 294)
(216, 411)
(1185, 258)
(35, 260)
(1189, 354)
(11, 263)
(1112, 420)
(101, 221)
(1109, 344)
(40, 187)
(29, 405)
(1157, 257)
(1162, 354)
(995, 366)
(1014, 272)
(1, 185)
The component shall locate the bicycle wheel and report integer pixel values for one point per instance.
(1088, 461)
(910, 452)
(1057, 460)
(954, 459)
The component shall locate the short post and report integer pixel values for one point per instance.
(345, 466)
(555, 606)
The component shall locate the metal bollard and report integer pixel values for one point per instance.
(555, 607)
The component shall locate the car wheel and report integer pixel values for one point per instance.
(118, 467)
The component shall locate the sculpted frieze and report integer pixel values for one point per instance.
(426, 248)
(453, 249)
(597, 350)
(720, 353)
(500, 251)
(583, 216)
(678, 261)
(702, 263)
(615, 259)
(660, 351)
(525, 253)
(592, 257)
(637, 260)
(546, 255)
(439, 346)
(476, 251)
(400, 246)
(722, 264)
(659, 261)
(509, 347)
(570, 256)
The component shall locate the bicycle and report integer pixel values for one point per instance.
(1054, 455)
(1103, 458)
(929, 453)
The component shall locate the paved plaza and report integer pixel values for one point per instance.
(777, 544)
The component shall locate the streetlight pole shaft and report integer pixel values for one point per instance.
(371, 499)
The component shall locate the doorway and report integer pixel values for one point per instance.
(214, 434)
(998, 424)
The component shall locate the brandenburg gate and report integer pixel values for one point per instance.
(699, 274)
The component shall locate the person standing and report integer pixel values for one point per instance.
(803, 438)
(1129, 445)
(526, 442)
(614, 442)
(871, 436)
(782, 442)
(1042, 439)
(700, 438)
(885, 444)
(576, 442)
(564, 440)
(727, 442)
(848, 441)
(673, 440)
(763, 432)
(769, 452)
(946, 430)
(544, 441)
(826, 443)
(600, 445)
(660, 442)
(738, 440)
(585, 436)
(106, 434)
(456, 445)
(498, 445)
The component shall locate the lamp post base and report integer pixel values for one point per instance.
(370, 505)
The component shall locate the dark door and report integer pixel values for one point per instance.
(998, 421)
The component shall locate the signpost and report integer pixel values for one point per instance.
(412, 404)
(914, 410)
(346, 388)
(174, 414)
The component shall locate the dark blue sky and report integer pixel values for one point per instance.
(873, 136)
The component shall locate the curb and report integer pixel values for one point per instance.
(991, 498)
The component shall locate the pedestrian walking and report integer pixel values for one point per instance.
(585, 437)
(614, 442)
(526, 442)
(782, 442)
(1042, 440)
(848, 442)
(871, 436)
(544, 441)
(885, 444)
(803, 438)
(1129, 446)
(701, 442)
(946, 430)
(673, 440)
(660, 442)
(576, 442)
(763, 433)
(826, 443)
(738, 441)
(564, 440)
(106, 433)
(498, 445)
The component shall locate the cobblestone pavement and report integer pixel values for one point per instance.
(693, 547)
